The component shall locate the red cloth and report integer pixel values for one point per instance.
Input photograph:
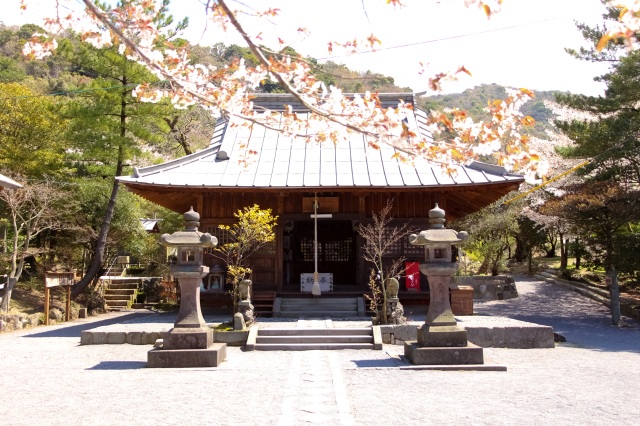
(412, 276)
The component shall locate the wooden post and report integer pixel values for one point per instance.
(67, 315)
(46, 305)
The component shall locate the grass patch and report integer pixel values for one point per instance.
(225, 326)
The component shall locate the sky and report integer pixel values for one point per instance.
(521, 46)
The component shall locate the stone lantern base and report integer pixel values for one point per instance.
(443, 345)
(186, 358)
(187, 347)
(420, 355)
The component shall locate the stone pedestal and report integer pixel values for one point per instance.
(395, 311)
(419, 355)
(190, 342)
(213, 356)
(246, 309)
(190, 314)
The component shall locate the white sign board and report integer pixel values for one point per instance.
(54, 279)
(325, 279)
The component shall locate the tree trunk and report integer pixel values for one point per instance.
(612, 277)
(564, 253)
(520, 252)
(97, 260)
(614, 292)
(484, 267)
(6, 300)
(551, 252)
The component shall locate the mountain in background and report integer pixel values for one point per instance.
(474, 101)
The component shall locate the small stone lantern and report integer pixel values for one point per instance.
(190, 342)
(440, 330)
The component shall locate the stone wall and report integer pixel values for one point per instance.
(490, 332)
(489, 287)
(20, 321)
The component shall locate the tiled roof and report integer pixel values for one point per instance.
(283, 162)
(150, 225)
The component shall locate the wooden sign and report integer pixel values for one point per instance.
(325, 205)
(55, 279)
(324, 279)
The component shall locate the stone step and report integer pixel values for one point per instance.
(318, 300)
(318, 314)
(123, 303)
(313, 339)
(362, 331)
(307, 308)
(120, 284)
(319, 307)
(311, 346)
(109, 297)
(111, 292)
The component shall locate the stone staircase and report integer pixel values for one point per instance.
(302, 339)
(120, 292)
(319, 307)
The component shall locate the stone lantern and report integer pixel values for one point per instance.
(440, 339)
(190, 342)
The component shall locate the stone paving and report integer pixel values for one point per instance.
(592, 379)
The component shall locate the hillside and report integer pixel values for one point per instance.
(474, 101)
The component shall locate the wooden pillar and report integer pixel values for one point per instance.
(279, 260)
(46, 305)
(362, 276)
(200, 205)
(67, 314)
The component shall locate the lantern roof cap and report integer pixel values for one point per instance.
(437, 233)
(190, 236)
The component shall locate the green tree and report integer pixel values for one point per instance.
(31, 134)
(492, 232)
(109, 128)
(252, 231)
(602, 212)
(610, 139)
(529, 236)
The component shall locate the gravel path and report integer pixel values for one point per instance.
(592, 379)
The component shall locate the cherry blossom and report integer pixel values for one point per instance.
(332, 116)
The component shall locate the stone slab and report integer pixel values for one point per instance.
(232, 338)
(461, 367)
(251, 339)
(377, 338)
(419, 355)
(187, 358)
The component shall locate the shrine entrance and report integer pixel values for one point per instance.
(337, 251)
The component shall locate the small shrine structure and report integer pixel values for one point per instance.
(341, 185)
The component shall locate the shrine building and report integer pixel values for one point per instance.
(351, 181)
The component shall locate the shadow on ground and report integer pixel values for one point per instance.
(119, 365)
(75, 330)
(582, 321)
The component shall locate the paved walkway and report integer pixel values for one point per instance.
(592, 379)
